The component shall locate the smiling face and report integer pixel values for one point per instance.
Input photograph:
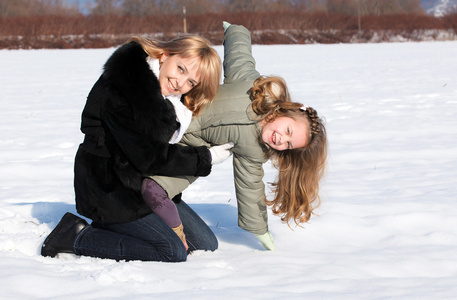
(285, 133)
(178, 75)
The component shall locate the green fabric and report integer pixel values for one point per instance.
(229, 119)
(267, 240)
(226, 25)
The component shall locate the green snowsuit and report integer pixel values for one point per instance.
(229, 118)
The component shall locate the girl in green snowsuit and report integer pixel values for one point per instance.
(254, 113)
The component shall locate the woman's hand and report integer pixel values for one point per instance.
(220, 153)
(180, 233)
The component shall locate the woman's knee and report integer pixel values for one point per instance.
(212, 242)
(205, 241)
(177, 254)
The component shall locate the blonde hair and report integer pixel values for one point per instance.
(296, 191)
(190, 46)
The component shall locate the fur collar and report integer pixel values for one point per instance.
(128, 73)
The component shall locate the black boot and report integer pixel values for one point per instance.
(61, 239)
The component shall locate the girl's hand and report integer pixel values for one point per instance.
(267, 240)
(226, 25)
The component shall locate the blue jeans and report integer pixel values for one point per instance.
(147, 239)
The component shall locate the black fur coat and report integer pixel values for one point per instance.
(127, 125)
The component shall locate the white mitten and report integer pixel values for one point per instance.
(267, 240)
(225, 25)
(220, 153)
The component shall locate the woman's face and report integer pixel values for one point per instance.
(285, 133)
(178, 75)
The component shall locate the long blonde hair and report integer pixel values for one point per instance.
(190, 46)
(296, 191)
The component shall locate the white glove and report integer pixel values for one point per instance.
(267, 240)
(220, 153)
(226, 25)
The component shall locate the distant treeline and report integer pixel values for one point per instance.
(58, 25)
(142, 8)
(53, 25)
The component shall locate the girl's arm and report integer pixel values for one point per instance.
(156, 198)
(250, 195)
(239, 64)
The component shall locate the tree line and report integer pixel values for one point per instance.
(144, 8)
(107, 23)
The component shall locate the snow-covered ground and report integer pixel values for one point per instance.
(387, 226)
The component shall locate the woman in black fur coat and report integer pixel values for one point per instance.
(130, 129)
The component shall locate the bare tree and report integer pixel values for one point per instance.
(194, 7)
(140, 8)
(411, 6)
(105, 7)
(14, 8)
(348, 7)
(168, 7)
(247, 5)
(316, 5)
